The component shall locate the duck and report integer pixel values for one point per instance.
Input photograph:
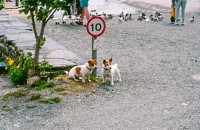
(127, 16)
(192, 19)
(144, 16)
(110, 16)
(120, 19)
(122, 15)
(140, 18)
(147, 19)
(151, 17)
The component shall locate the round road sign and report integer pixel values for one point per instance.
(96, 26)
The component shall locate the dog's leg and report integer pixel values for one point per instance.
(70, 76)
(89, 78)
(103, 79)
(74, 78)
(83, 79)
(111, 80)
(119, 75)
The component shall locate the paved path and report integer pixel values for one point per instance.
(23, 36)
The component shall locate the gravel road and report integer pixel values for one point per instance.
(160, 68)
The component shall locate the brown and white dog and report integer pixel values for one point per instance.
(110, 71)
(82, 71)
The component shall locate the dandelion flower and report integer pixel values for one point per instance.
(6, 68)
(18, 67)
(10, 62)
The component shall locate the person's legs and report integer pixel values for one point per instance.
(82, 14)
(84, 5)
(177, 9)
(183, 6)
(87, 13)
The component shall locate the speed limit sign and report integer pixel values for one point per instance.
(96, 26)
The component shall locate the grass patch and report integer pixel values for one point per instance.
(60, 89)
(17, 94)
(6, 96)
(6, 108)
(35, 96)
(41, 84)
(51, 100)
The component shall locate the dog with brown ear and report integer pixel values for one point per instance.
(82, 71)
(110, 71)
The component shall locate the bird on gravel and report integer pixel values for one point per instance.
(105, 15)
(122, 15)
(142, 16)
(192, 19)
(72, 23)
(120, 19)
(151, 17)
(147, 19)
(159, 16)
(127, 17)
(110, 16)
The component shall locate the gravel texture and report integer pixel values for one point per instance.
(159, 64)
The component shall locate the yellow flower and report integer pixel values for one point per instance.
(6, 68)
(18, 67)
(10, 62)
(8, 58)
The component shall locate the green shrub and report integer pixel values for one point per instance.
(18, 75)
(1, 4)
(18, 70)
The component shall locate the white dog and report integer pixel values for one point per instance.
(110, 71)
(82, 71)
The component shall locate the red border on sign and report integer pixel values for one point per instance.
(104, 23)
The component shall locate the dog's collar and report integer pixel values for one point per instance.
(88, 68)
(106, 68)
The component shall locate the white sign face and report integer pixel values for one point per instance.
(96, 26)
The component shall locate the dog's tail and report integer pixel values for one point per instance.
(67, 73)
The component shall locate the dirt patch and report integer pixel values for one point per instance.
(63, 86)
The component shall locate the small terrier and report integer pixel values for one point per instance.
(82, 71)
(110, 71)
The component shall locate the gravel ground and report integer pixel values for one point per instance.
(159, 64)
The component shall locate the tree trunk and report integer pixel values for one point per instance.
(16, 2)
(36, 56)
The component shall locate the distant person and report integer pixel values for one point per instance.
(178, 4)
(85, 12)
(172, 13)
(77, 8)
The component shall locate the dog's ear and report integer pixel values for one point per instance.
(110, 60)
(89, 62)
(92, 62)
(104, 61)
(95, 62)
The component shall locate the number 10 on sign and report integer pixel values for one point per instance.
(96, 26)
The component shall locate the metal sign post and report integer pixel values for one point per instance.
(94, 55)
(95, 27)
